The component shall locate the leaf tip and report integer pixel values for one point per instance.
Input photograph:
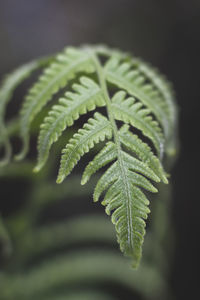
(21, 155)
(154, 190)
(37, 168)
(95, 197)
(84, 180)
(60, 179)
(165, 180)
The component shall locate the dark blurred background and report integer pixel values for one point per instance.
(165, 33)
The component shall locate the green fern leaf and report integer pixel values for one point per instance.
(131, 112)
(133, 143)
(96, 130)
(164, 88)
(127, 76)
(105, 156)
(122, 181)
(143, 99)
(55, 77)
(87, 95)
(166, 92)
(8, 86)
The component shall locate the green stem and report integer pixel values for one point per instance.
(102, 82)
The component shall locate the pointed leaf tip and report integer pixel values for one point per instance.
(84, 180)
(60, 179)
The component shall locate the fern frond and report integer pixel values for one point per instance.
(105, 156)
(127, 76)
(143, 99)
(122, 181)
(131, 112)
(54, 77)
(81, 268)
(133, 143)
(164, 88)
(166, 92)
(96, 130)
(84, 229)
(86, 96)
(7, 88)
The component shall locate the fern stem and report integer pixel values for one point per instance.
(102, 82)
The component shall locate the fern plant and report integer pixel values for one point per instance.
(134, 114)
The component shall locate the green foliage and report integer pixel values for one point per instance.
(69, 258)
(81, 268)
(8, 86)
(54, 77)
(128, 76)
(87, 95)
(131, 93)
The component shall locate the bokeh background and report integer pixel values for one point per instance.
(165, 33)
